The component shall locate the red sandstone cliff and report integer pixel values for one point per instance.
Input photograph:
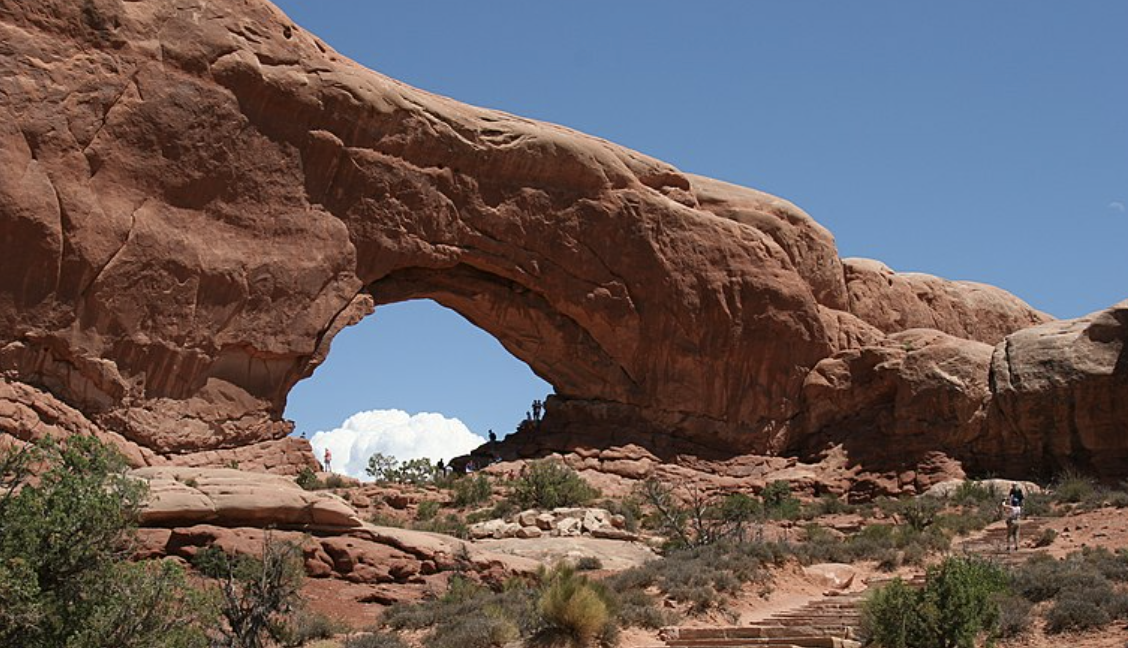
(197, 196)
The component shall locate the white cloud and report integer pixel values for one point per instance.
(1116, 205)
(395, 433)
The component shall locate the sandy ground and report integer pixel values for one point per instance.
(791, 586)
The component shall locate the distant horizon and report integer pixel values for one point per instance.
(972, 142)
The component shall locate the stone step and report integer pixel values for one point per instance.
(759, 631)
(763, 642)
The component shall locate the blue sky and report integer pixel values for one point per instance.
(972, 140)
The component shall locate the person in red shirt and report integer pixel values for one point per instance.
(328, 460)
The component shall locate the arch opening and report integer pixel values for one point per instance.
(415, 378)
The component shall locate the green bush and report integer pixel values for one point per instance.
(384, 468)
(427, 510)
(259, 593)
(574, 607)
(470, 616)
(1072, 613)
(449, 524)
(629, 507)
(308, 480)
(1014, 616)
(1073, 487)
(64, 543)
(375, 640)
(1046, 538)
(703, 577)
(470, 491)
(1038, 505)
(639, 609)
(972, 493)
(305, 626)
(778, 502)
(958, 605)
(589, 563)
(549, 484)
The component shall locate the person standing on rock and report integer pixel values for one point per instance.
(328, 460)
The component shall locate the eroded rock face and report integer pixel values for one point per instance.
(197, 197)
(895, 302)
(1061, 394)
(1043, 399)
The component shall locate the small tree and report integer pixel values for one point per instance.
(258, 593)
(549, 484)
(958, 605)
(382, 467)
(416, 471)
(64, 542)
(471, 490)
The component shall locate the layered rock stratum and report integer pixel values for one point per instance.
(197, 196)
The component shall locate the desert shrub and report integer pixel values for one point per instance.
(1072, 487)
(968, 519)
(628, 507)
(828, 505)
(914, 554)
(639, 609)
(971, 493)
(1046, 538)
(737, 511)
(308, 480)
(1042, 578)
(573, 607)
(702, 577)
(485, 630)
(918, 513)
(335, 481)
(427, 510)
(384, 519)
(958, 604)
(259, 592)
(1014, 616)
(469, 615)
(1038, 505)
(500, 510)
(549, 484)
(1039, 579)
(471, 490)
(64, 542)
(778, 502)
(1113, 566)
(211, 561)
(890, 617)
(589, 563)
(449, 524)
(305, 626)
(1117, 498)
(1075, 613)
(375, 640)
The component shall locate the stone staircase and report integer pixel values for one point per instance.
(834, 621)
(991, 544)
(828, 622)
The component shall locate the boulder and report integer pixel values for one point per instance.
(187, 496)
(527, 532)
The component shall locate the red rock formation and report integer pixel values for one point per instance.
(894, 302)
(197, 196)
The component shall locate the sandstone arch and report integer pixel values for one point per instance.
(197, 197)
